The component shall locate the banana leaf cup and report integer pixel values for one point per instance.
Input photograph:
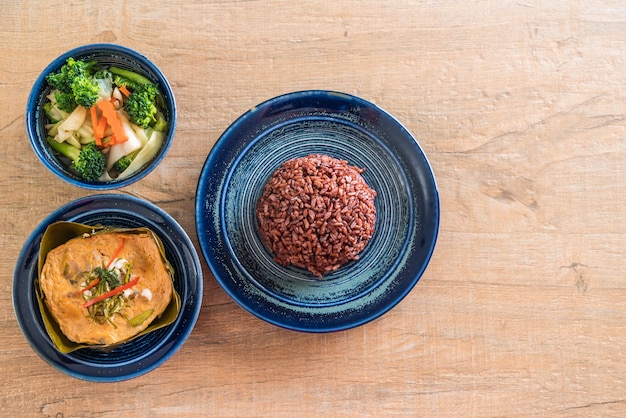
(59, 233)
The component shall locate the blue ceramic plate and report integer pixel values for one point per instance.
(345, 127)
(140, 355)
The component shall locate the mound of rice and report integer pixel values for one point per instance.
(316, 212)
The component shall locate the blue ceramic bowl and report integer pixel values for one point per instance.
(105, 54)
(144, 353)
(345, 127)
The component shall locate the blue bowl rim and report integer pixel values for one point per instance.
(40, 84)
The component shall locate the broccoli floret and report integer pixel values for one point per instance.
(141, 106)
(62, 80)
(122, 164)
(85, 91)
(103, 74)
(88, 162)
(75, 78)
(65, 101)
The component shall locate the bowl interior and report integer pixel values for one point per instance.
(340, 139)
(106, 55)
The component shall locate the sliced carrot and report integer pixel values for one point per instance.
(116, 253)
(124, 91)
(98, 130)
(110, 293)
(93, 111)
(108, 111)
(91, 285)
(94, 115)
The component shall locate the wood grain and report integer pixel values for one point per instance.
(520, 107)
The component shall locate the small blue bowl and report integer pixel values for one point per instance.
(105, 54)
(140, 355)
(345, 127)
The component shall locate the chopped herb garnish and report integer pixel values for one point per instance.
(110, 277)
(106, 292)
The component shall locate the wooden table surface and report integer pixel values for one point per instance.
(520, 107)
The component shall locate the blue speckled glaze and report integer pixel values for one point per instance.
(344, 127)
(142, 354)
(106, 55)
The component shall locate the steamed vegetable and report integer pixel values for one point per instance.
(112, 110)
(74, 84)
(115, 291)
(124, 148)
(141, 105)
(88, 161)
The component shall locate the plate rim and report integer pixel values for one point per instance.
(176, 337)
(212, 161)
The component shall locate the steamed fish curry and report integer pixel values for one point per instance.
(107, 287)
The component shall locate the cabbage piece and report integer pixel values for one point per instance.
(105, 177)
(85, 132)
(73, 122)
(59, 114)
(145, 155)
(73, 141)
(105, 88)
(133, 143)
(53, 128)
(141, 134)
